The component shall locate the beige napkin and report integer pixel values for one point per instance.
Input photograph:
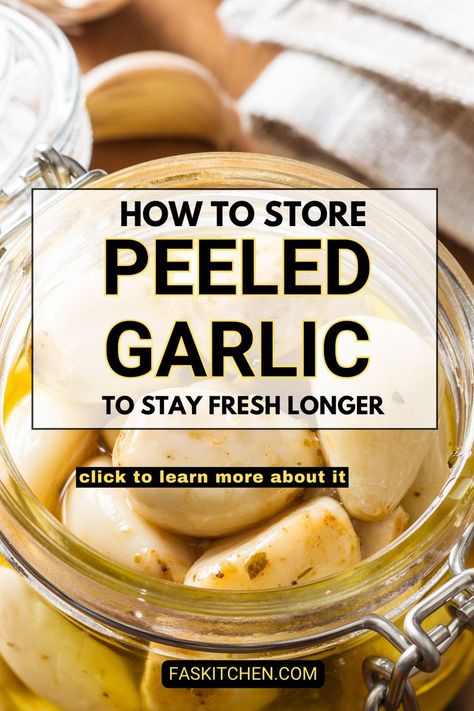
(389, 100)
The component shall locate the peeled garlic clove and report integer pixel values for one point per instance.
(71, 323)
(382, 466)
(312, 541)
(56, 659)
(11, 688)
(102, 518)
(159, 94)
(382, 463)
(158, 698)
(45, 458)
(110, 437)
(376, 535)
(210, 512)
(433, 473)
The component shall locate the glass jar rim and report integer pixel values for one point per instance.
(41, 39)
(400, 564)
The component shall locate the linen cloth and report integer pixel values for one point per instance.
(382, 89)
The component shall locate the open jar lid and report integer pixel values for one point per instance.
(40, 98)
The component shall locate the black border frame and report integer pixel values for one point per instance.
(300, 188)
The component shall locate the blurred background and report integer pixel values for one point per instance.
(382, 90)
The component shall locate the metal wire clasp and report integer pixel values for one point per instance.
(53, 170)
(389, 683)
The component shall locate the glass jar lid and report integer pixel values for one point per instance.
(5, 60)
(40, 98)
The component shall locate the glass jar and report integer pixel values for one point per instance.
(67, 12)
(40, 102)
(87, 633)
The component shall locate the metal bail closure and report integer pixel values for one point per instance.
(389, 682)
(377, 674)
(55, 170)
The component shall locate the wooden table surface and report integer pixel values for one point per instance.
(189, 27)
